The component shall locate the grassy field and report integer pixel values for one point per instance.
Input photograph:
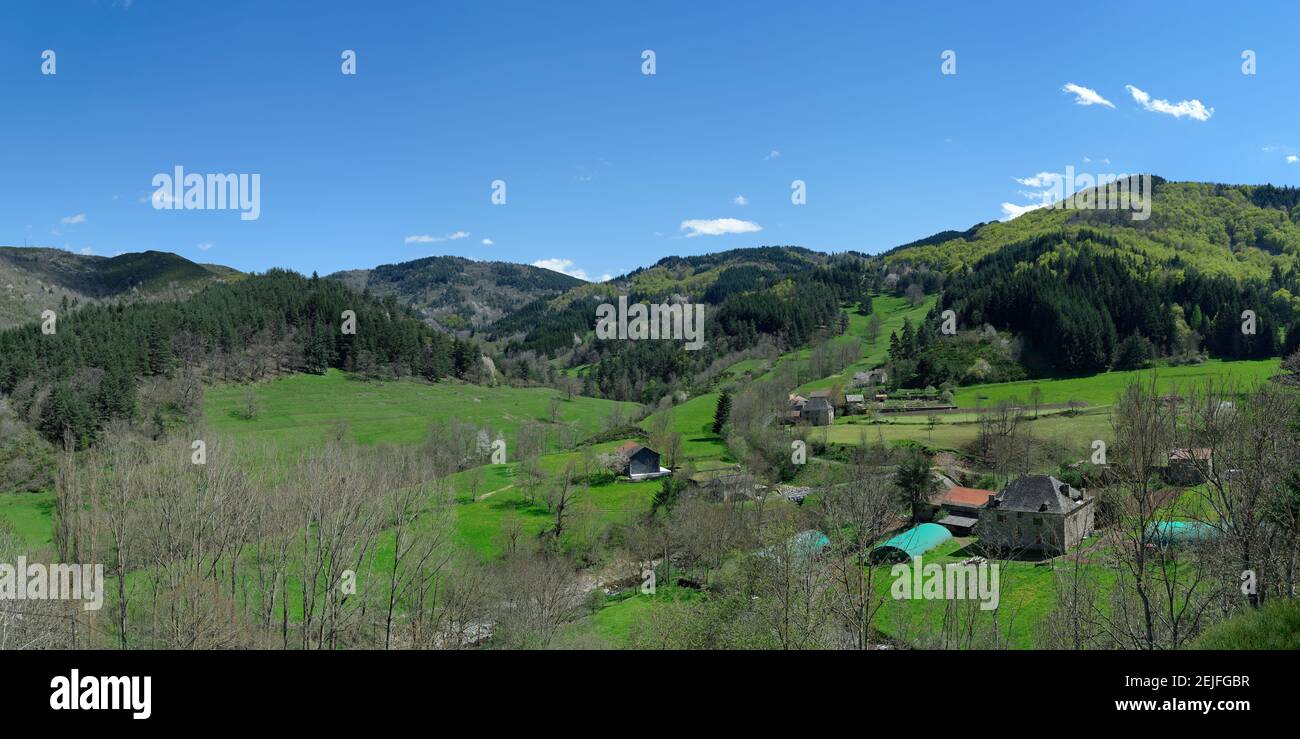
(1103, 388)
(892, 312)
(300, 410)
(1070, 431)
(480, 522)
(694, 421)
(1027, 593)
(31, 515)
(297, 412)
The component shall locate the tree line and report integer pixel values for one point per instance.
(72, 375)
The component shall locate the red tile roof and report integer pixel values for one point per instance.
(973, 497)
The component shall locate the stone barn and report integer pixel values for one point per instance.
(1036, 513)
(818, 411)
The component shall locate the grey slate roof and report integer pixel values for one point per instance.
(1039, 494)
(817, 404)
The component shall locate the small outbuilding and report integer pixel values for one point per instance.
(642, 461)
(958, 509)
(1189, 466)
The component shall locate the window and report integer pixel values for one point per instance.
(1002, 518)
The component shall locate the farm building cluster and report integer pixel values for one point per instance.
(1036, 513)
(867, 395)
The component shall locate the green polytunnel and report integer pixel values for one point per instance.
(810, 543)
(802, 547)
(1165, 533)
(911, 543)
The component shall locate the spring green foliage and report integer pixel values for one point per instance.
(91, 365)
(1275, 625)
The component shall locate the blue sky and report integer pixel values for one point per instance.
(604, 165)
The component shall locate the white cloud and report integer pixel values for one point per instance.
(1086, 95)
(563, 266)
(73, 220)
(1193, 109)
(773, 154)
(1292, 159)
(741, 200)
(427, 239)
(204, 246)
(1011, 210)
(87, 251)
(718, 227)
(487, 242)
(1042, 179)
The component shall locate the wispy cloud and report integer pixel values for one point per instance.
(487, 242)
(566, 266)
(429, 239)
(1042, 179)
(1011, 210)
(718, 227)
(1193, 109)
(1086, 95)
(773, 154)
(1292, 159)
(73, 220)
(204, 246)
(741, 200)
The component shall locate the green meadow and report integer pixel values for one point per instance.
(31, 515)
(1102, 389)
(298, 411)
(694, 421)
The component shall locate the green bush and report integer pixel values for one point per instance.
(1274, 625)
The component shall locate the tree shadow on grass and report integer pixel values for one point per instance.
(973, 549)
(518, 505)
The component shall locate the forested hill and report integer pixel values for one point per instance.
(457, 293)
(1240, 231)
(72, 382)
(778, 297)
(37, 279)
(1088, 290)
